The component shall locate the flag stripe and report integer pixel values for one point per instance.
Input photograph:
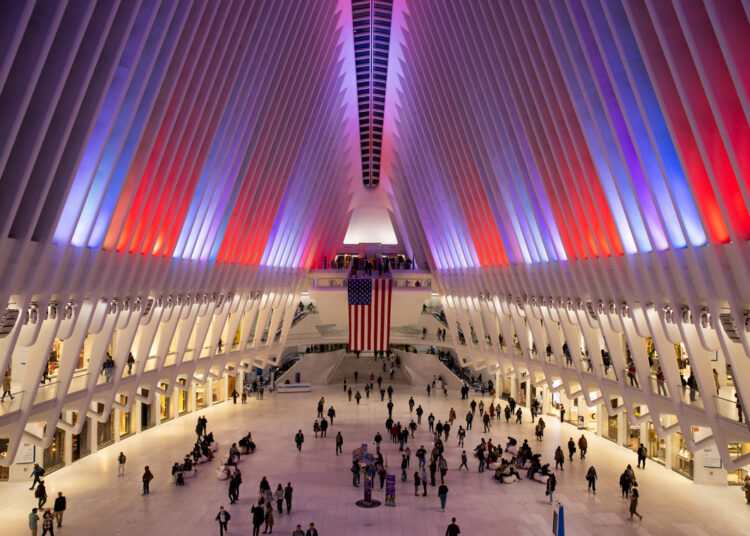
(369, 313)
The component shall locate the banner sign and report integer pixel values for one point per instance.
(390, 490)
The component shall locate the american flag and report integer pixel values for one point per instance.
(369, 313)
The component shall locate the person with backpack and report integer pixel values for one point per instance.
(223, 518)
(641, 456)
(591, 479)
(41, 494)
(146, 479)
(37, 473)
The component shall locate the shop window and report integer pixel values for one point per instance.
(105, 431)
(612, 428)
(165, 405)
(735, 451)
(683, 458)
(183, 405)
(146, 418)
(81, 442)
(126, 419)
(217, 391)
(200, 396)
(657, 447)
(54, 455)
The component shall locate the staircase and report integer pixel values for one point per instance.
(366, 365)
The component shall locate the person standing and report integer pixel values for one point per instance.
(259, 516)
(355, 473)
(331, 414)
(299, 439)
(420, 411)
(452, 529)
(443, 468)
(431, 422)
(59, 508)
(339, 443)
(268, 519)
(121, 464)
(147, 477)
(411, 404)
(389, 405)
(641, 456)
(591, 478)
(551, 485)
(634, 502)
(288, 496)
(424, 482)
(312, 531)
(298, 531)
(33, 521)
(323, 427)
(7, 385)
(443, 494)
(358, 397)
(223, 518)
(279, 496)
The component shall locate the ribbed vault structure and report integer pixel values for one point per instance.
(574, 174)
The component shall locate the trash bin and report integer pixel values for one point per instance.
(296, 377)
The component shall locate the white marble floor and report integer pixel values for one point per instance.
(100, 503)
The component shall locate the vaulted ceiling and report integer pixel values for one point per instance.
(513, 133)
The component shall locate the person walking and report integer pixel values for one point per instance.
(259, 515)
(571, 448)
(583, 446)
(312, 531)
(146, 479)
(424, 482)
(411, 404)
(443, 494)
(420, 411)
(48, 523)
(41, 494)
(37, 473)
(464, 459)
(59, 508)
(634, 502)
(235, 396)
(339, 443)
(417, 482)
(323, 427)
(746, 488)
(591, 478)
(443, 468)
(223, 518)
(298, 531)
(452, 529)
(33, 521)
(358, 397)
(299, 439)
(331, 414)
(288, 496)
(121, 459)
(389, 405)
(559, 458)
(551, 485)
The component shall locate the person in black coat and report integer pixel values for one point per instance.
(259, 515)
(223, 518)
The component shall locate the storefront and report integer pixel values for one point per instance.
(183, 405)
(634, 431)
(612, 428)
(200, 397)
(81, 445)
(217, 391)
(735, 451)
(682, 458)
(54, 455)
(126, 419)
(147, 420)
(105, 431)
(165, 405)
(656, 446)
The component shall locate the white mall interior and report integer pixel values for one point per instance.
(545, 203)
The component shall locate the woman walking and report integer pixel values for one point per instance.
(591, 477)
(634, 502)
(269, 519)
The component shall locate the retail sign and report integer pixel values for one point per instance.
(711, 457)
(26, 453)
(390, 490)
